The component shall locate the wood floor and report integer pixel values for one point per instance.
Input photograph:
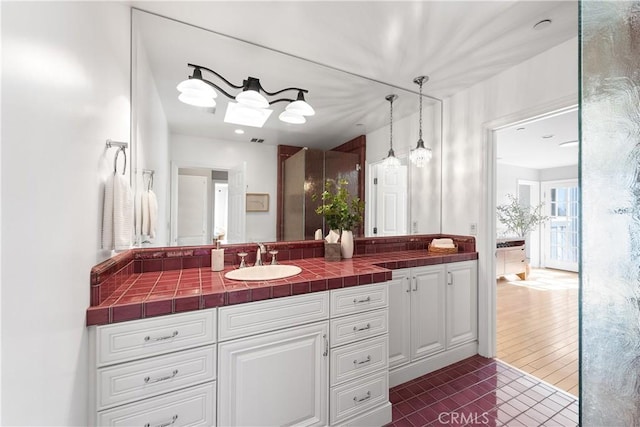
(537, 325)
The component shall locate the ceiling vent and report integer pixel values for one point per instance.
(258, 140)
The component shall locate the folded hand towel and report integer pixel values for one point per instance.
(445, 241)
(122, 213)
(443, 245)
(153, 214)
(107, 214)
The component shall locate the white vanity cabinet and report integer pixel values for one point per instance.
(432, 318)
(274, 377)
(158, 371)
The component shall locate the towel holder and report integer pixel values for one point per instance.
(149, 172)
(121, 147)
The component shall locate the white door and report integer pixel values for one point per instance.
(399, 318)
(275, 379)
(462, 302)
(237, 199)
(427, 310)
(192, 210)
(391, 201)
(561, 230)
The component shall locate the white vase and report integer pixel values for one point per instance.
(346, 244)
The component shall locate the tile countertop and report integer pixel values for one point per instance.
(157, 293)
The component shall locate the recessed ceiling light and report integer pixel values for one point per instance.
(239, 131)
(520, 128)
(547, 136)
(569, 144)
(545, 23)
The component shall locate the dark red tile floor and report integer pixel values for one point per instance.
(481, 392)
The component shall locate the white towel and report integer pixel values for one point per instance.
(137, 216)
(145, 213)
(117, 217)
(442, 243)
(153, 214)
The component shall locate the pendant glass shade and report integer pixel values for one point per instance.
(300, 106)
(197, 86)
(391, 161)
(197, 100)
(292, 117)
(253, 99)
(420, 155)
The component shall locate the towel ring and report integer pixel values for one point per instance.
(115, 161)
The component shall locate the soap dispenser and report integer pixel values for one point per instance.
(217, 258)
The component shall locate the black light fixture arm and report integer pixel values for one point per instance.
(216, 74)
(284, 90)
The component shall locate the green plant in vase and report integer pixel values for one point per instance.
(520, 219)
(341, 212)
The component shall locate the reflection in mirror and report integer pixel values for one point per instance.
(181, 142)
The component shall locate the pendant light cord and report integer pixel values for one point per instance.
(391, 126)
(420, 128)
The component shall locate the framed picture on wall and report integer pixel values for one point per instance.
(257, 202)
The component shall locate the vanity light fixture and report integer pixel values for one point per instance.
(252, 105)
(391, 161)
(569, 144)
(420, 155)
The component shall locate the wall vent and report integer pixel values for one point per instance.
(259, 140)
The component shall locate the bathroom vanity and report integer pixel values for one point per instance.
(312, 349)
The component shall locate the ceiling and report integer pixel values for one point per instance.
(536, 144)
(457, 44)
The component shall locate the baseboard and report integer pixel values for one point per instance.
(379, 416)
(404, 373)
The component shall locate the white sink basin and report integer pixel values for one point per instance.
(263, 272)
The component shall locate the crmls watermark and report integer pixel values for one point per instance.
(463, 418)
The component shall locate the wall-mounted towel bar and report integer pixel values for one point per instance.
(121, 148)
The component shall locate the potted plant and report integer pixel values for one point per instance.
(341, 212)
(520, 219)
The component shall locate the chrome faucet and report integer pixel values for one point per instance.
(259, 253)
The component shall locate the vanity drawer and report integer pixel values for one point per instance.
(514, 255)
(358, 299)
(149, 337)
(263, 316)
(356, 397)
(355, 360)
(345, 330)
(195, 406)
(132, 381)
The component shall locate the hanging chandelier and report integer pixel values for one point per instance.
(391, 161)
(420, 155)
(252, 105)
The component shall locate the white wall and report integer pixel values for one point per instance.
(540, 84)
(151, 136)
(507, 177)
(424, 183)
(557, 174)
(261, 176)
(65, 90)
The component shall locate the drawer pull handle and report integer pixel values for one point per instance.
(326, 345)
(363, 361)
(362, 399)
(165, 424)
(409, 284)
(361, 301)
(166, 337)
(148, 380)
(364, 328)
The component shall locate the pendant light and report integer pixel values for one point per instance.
(391, 161)
(420, 155)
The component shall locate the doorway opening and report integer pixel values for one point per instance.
(536, 274)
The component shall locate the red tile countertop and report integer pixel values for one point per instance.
(150, 294)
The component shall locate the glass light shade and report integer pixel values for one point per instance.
(391, 161)
(300, 107)
(196, 100)
(292, 117)
(420, 155)
(252, 99)
(198, 86)
(245, 116)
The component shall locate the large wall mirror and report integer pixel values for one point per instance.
(214, 179)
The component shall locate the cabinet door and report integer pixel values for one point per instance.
(427, 310)
(462, 302)
(400, 318)
(275, 379)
